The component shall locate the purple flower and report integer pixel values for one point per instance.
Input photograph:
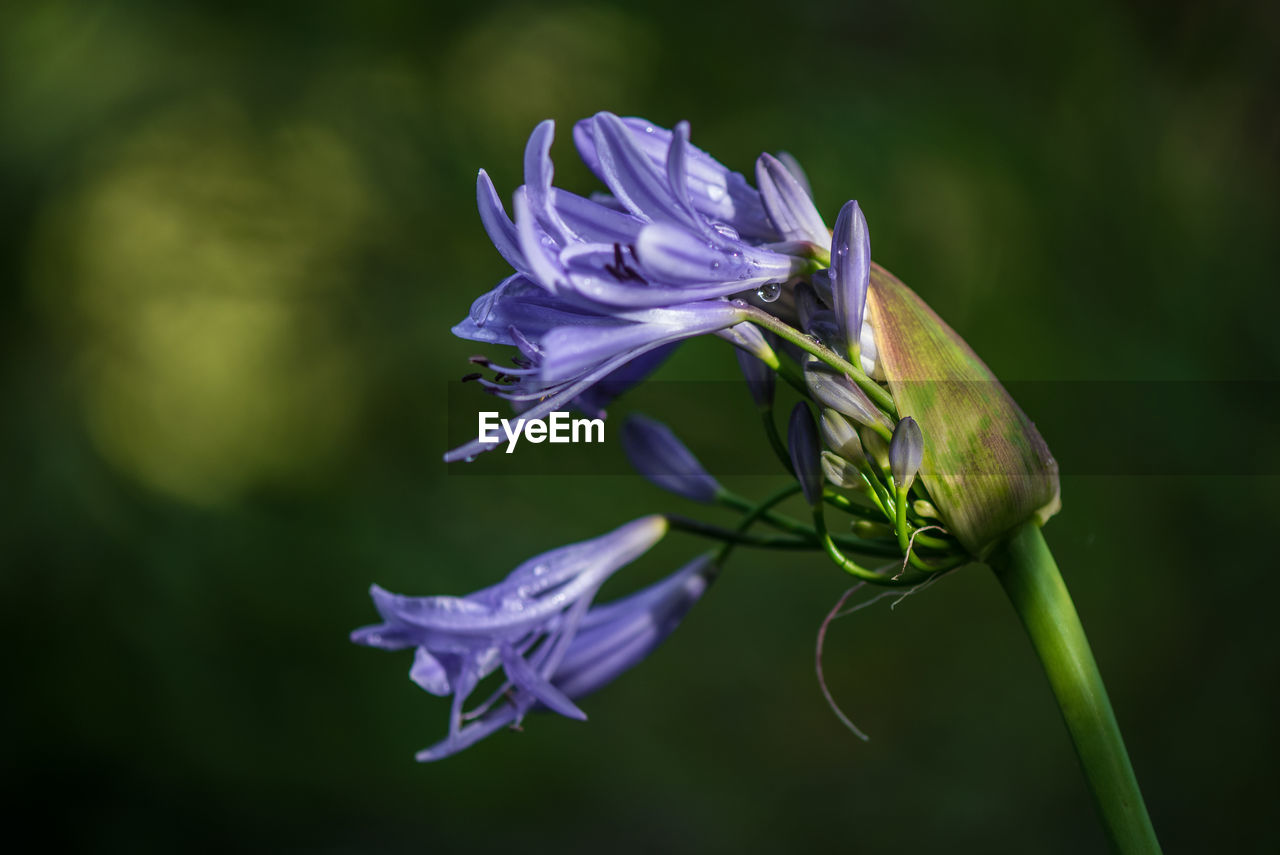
(538, 627)
(603, 289)
(663, 243)
(714, 191)
(566, 350)
(660, 456)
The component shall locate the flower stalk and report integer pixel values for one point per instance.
(1030, 577)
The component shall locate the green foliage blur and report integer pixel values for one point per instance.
(235, 236)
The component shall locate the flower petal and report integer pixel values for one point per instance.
(428, 673)
(716, 192)
(497, 224)
(788, 204)
(530, 681)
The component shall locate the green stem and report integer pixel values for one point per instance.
(775, 441)
(715, 532)
(1030, 577)
(852, 567)
(874, 390)
(793, 526)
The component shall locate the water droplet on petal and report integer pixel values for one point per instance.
(726, 230)
(715, 192)
(769, 292)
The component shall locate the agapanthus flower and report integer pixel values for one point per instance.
(927, 455)
(601, 283)
(537, 625)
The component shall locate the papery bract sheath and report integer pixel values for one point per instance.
(986, 467)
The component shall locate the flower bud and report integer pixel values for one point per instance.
(834, 390)
(660, 457)
(875, 448)
(906, 451)
(841, 472)
(850, 269)
(869, 529)
(925, 508)
(761, 379)
(841, 437)
(986, 466)
(802, 441)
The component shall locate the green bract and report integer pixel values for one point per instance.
(986, 466)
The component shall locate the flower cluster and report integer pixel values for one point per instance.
(538, 625)
(603, 288)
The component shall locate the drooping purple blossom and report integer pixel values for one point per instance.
(539, 627)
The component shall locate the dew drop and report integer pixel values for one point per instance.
(715, 192)
(726, 230)
(769, 292)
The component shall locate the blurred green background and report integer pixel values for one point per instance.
(234, 239)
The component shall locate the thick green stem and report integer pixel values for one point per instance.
(1030, 577)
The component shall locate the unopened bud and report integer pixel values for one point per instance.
(924, 508)
(869, 529)
(841, 437)
(761, 379)
(834, 390)
(906, 451)
(850, 268)
(876, 449)
(841, 472)
(802, 441)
